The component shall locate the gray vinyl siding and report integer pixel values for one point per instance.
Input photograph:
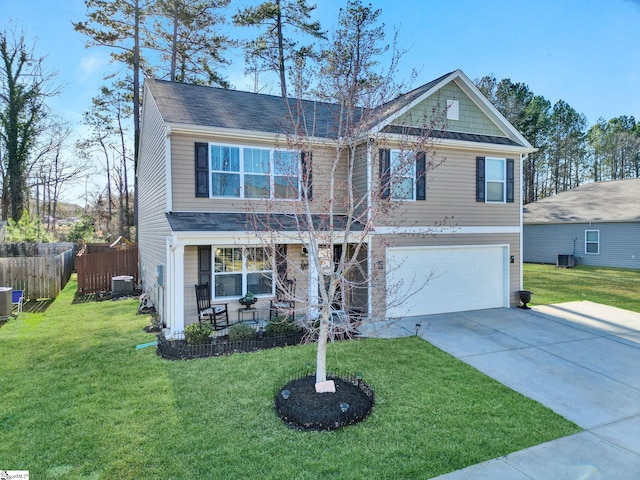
(381, 243)
(471, 118)
(152, 225)
(183, 180)
(451, 195)
(619, 244)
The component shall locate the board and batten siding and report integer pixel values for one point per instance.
(451, 194)
(471, 118)
(183, 180)
(153, 228)
(380, 244)
(619, 244)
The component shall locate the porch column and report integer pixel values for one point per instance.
(177, 291)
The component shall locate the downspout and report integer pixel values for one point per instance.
(167, 168)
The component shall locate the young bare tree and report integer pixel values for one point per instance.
(108, 143)
(335, 225)
(52, 171)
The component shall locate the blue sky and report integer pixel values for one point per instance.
(581, 51)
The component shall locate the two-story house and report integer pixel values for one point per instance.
(219, 178)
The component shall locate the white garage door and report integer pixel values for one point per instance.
(461, 278)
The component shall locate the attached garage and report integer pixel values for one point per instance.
(459, 278)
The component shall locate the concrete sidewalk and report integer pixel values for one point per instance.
(581, 359)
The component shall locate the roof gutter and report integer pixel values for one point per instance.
(241, 135)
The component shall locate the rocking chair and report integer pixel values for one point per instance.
(217, 315)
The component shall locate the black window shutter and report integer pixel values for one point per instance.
(307, 173)
(510, 180)
(385, 172)
(480, 176)
(204, 265)
(421, 177)
(202, 170)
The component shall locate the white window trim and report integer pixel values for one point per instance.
(504, 180)
(393, 177)
(245, 272)
(596, 242)
(271, 172)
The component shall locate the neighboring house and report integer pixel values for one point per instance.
(200, 220)
(594, 224)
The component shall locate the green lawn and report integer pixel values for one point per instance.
(611, 286)
(80, 402)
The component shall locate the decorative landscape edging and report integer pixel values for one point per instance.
(181, 350)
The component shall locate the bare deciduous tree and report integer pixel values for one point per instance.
(336, 223)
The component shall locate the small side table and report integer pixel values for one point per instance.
(252, 312)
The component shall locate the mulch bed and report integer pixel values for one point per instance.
(304, 409)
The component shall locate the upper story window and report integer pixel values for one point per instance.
(247, 172)
(592, 241)
(403, 174)
(494, 180)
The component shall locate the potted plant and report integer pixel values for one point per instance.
(248, 300)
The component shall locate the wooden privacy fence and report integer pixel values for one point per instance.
(95, 270)
(41, 270)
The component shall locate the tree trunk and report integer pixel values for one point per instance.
(281, 66)
(321, 354)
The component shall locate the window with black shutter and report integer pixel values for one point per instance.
(385, 172)
(306, 159)
(480, 176)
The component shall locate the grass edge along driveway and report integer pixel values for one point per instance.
(80, 402)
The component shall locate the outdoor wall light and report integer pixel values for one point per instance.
(344, 406)
(285, 394)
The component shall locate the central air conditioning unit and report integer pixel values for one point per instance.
(565, 261)
(122, 285)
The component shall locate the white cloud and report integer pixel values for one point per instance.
(92, 65)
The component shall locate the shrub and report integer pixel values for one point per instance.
(241, 332)
(281, 326)
(28, 229)
(197, 333)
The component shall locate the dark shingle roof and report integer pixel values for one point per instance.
(602, 202)
(242, 222)
(446, 135)
(181, 103)
(185, 104)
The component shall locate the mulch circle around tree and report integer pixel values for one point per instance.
(304, 409)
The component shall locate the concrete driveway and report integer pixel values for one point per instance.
(581, 359)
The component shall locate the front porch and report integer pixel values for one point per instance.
(272, 273)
